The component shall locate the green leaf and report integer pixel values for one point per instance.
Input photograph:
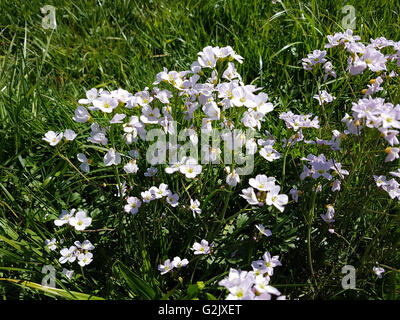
(140, 288)
(210, 296)
(13, 243)
(54, 292)
(192, 291)
(241, 220)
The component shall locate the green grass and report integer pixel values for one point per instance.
(125, 43)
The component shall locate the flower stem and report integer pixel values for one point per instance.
(284, 163)
(309, 222)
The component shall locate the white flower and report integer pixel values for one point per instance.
(250, 196)
(329, 215)
(269, 153)
(178, 263)
(132, 129)
(336, 185)
(131, 167)
(69, 134)
(174, 166)
(112, 158)
(263, 231)
(392, 154)
(262, 286)
(122, 95)
(276, 199)
(64, 217)
(68, 273)
(378, 271)
(166, 267)
(90, 95)
(98, 135)
(163, 190)
(80, 221)
(151, 172)
(201, 248)
(51, 244)
(53, 137)
(194, 206)
(81, 115)
(85, 162)
(85, 245)
(85, 258)
(164, 96)
(210, 154)
(207, 58)
(295, 194)
(147, 196)
(150, 115)
(235, 277)
(324, 97)
(67, 255)
(118, 117)
(232, 178)
(262, 182)
(269, 262)
(374, 59)
(242, 290)
(133, 205)
(105, 103)
(190, 169)
(172, 198)
(395, 173)
(212, 111)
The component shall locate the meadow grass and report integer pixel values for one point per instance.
(125, 43)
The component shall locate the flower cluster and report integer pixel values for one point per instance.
(170, 265)
(392, 187)
(198, 248)
(155, 193)
(79, 252)
(268, 192)
(53, 138)
(383, 116)
(296, 121)
(253, 285)
(78, 220)
(212, 101)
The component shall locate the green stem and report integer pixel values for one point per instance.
(83, 274)
(221, 217)
(309, 222)
(284, 162)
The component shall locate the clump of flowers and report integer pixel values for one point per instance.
(79, 251)
(253, 285)
(169, 265)
(150, 142)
